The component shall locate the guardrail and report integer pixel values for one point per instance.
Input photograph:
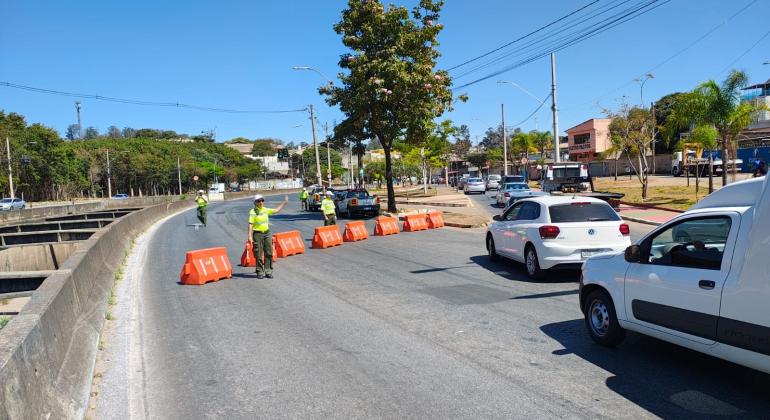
(48, 350)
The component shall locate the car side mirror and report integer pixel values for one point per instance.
(634, 254)
(497, 218)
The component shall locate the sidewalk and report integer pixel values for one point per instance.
(458, 210)
(646, 215)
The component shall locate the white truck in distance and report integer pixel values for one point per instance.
(701, 280)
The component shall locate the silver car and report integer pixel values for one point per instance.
(493, 182)
(476, 185)
(504, 193)
(12, 204)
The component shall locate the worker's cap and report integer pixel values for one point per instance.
(200, 191)
(259, 197)
(330, 194)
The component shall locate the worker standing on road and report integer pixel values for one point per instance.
(303, 195)
(202, 201)
(327, 207)
(260, 236)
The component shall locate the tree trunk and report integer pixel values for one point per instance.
(724, 158)
(711, 173)
(389, 176)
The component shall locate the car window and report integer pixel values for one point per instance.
(6, 200)
(474, 180)
(516, 186)
(529, 211)
(582, 212)
(694, 243)
(358, 194)
(512, 213)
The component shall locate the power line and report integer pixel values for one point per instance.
(524, 36)
(143, 102)
(727, 67)
(615, 21)
(533, 112)
(676, 54)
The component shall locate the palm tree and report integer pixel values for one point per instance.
(542, 141)
(718, 106)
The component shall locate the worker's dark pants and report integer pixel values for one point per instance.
(202, 215)
(263, 251)
(304, 204)
(331, 219)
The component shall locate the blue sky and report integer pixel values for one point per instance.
(239, 54)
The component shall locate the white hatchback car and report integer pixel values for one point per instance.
(475, 185)
(556, 232)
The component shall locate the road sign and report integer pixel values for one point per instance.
(195, 178)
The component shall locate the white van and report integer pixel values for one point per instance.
(701, 280)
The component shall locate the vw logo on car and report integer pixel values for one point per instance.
(591, 231)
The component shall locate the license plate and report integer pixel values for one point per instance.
(589, 253)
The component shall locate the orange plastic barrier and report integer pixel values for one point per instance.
(288, 243)
(415, 222)
(204, 265)
(327, 236)
(386, 226)
(355, 231)
(435, 219)
(247, 257)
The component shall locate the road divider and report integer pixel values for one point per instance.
(288, 243)
(386, 226)
(355, 231)
(327, 236)
(247, 257)
(435, 220)
(205, 265)
(415, 222)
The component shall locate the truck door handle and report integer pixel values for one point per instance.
(706, 284)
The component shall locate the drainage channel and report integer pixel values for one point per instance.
(32, 251)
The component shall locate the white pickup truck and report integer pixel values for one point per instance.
(701, 280)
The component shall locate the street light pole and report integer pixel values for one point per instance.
(328, 157)
(315, 145)
(642, 80)
(10, 169)
(109, 176)
(505, 143)
(179, 174)
(80, 127)
(556, 152)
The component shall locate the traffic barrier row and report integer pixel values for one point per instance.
(204, 265)
(211, 264)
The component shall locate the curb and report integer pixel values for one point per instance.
(643, 221)
(415, 203)
(647, 206)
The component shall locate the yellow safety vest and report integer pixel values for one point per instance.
(201, 202)
(303, 195)
(259, 218)
(327, 205)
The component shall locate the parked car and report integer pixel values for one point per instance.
(504, 193)
(314, 199)
(120, 196)
(699, 280)
(556, 232)
(475, 185)
(7, 204)
(461, 181)
(522, 194)
(493, 182)
(359, 203)
(513, 178)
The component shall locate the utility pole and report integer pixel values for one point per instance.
(424, 178)
(556, 152)
(328, 157)
(315, 145)
(350, 161)
(80, 127)
(505, 143)
(179, 174)
(654, 123)
(10, 169)
(109, 176)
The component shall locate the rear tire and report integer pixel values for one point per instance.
(533, 264)
(601, 320)
(491, 250)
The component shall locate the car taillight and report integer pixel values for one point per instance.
(580, 204)
(625, 230)
(507, 194)
(549, 232)
(354, 202)
(377, 200)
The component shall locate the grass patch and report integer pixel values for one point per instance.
(673, 197)
(4, 320)
(109, 316)
(101, 344)
(112, 300)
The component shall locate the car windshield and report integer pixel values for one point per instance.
(582, 212)
(566, 172)
(6, 201)
(358, 194)
(474, 180)
(516, 186)
(494, 177)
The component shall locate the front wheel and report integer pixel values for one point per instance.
(533, 264)
(491, 250)
(601, 320)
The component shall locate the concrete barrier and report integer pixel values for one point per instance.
(48, 350)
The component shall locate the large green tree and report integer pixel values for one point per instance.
(390, 86)
(718, 105)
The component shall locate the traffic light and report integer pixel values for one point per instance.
(283, 153)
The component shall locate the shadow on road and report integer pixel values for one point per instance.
(546, 295)
(514, 271)
(668, 380)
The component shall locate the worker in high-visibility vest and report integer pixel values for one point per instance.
(202, 202)
(328, 209)
(303, 196)
(260, 236)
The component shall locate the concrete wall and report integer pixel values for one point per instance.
(35, 257)
(47, 352)
(607, 167)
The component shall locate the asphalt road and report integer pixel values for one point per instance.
(416, 325)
